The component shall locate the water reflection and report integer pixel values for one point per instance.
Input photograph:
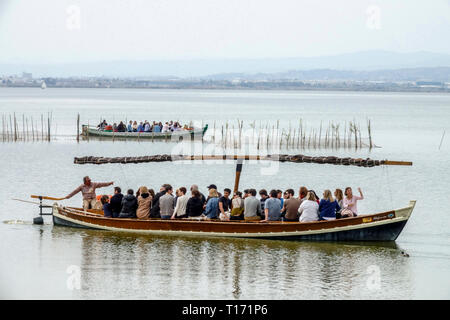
(117, 265)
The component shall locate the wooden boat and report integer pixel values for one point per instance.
(89, 131)
(384, 226)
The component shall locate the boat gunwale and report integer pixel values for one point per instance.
(409, 209)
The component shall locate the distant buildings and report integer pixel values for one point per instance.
(234, 83)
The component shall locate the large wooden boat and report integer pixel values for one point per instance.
(89, 131)
(384, 226)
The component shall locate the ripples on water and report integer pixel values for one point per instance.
(34, 259)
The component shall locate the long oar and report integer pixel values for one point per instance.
(26, 201)
(46, 198)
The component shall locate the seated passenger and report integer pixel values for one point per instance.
(167, 203)
(328, 207)
(309, 209)
(102, 125)
(121, 127)
(350, 206)
(107, 212)
(146, 126)
(156, 128)
(339, 196)
(280, 196)
(237, 207)
(315, 196)
(225, 204)
(181, 204)
(194, 206)
(140, 127)
(272, 207)
(212, 204)
(144, 203)
(165, 128)
(264, 196)
(252, 206)
(129, 205)
(116, 202)
(130, 126)
(290, 207)
(135, 126)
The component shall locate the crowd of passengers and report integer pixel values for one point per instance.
(143, 126)
(168, 203)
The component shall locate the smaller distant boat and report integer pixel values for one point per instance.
(89, 131)
(43, 85)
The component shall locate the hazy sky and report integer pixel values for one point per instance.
(85, 30)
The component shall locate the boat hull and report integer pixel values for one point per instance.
(176, 135)
(385, 226)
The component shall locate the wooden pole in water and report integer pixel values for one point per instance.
(442, 139)
(27, 132)
(78, 127)
(370, 133)
(238, 174)
(32, 127)
(48, 128)
(15, 127)
(42, 127)
(23, 126)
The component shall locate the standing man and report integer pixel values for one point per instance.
(88, 191)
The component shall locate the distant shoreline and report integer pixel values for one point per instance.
(386, 89)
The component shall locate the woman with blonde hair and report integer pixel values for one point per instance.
(144, 203)
(309, 208)
(350, 202)
(339, 196)
(328, 206)
(212, 206)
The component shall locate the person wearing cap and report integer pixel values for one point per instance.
(88, 191)
(212, 186)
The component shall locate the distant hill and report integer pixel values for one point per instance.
(365, 61)
(441, 74)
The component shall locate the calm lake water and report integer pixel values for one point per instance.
(41, 261)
